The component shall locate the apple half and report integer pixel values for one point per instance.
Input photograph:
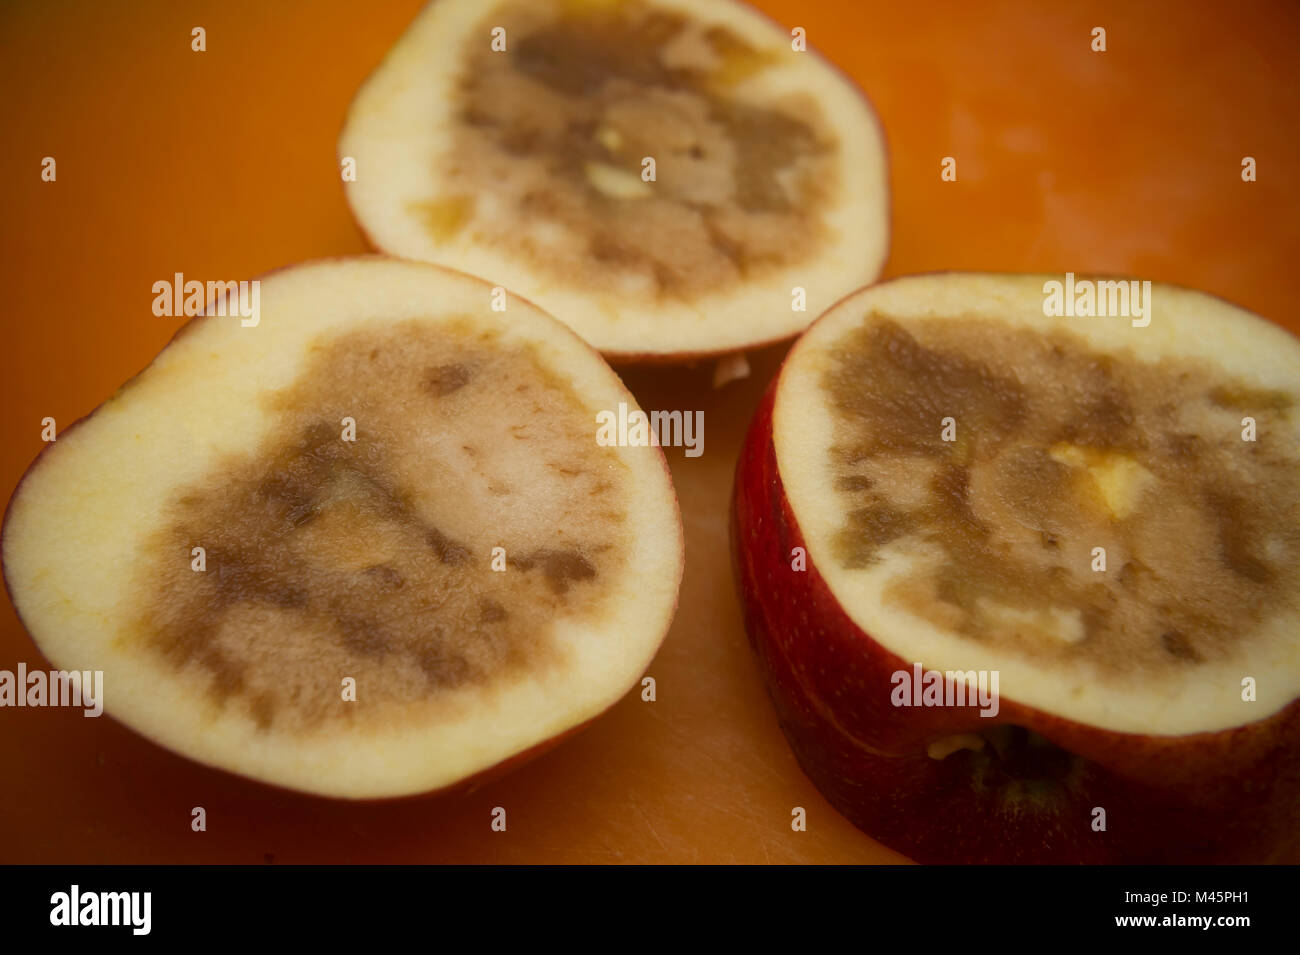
(944, 486)
(368, 547)
(672, 178)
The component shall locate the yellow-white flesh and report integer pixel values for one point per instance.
(646, 269)
(372, 559)
(1200, 526)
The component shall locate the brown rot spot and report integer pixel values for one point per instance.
(489, 611)
(560, 567)
(385, 577)
(444, 668)
(1058, 450)
(852, 482)
(262, 708)
(1242, 534)
(445, 379)
(1178, 646)
(371, 559)
(1243, 398)
(362, 635)
(557, 127)
(448, 550)
(879, 523)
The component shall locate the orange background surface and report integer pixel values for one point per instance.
(222, 165)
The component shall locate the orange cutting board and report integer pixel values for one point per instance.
(222, 164)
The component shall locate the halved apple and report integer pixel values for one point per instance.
(369, 547)
(672, 179)
(945, 483)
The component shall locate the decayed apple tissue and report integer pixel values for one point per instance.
(658, 175)
(333, 556)
(367, 547)
(1059, 449)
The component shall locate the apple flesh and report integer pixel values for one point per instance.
(367, 548)
(673, 180)
(1118, 737)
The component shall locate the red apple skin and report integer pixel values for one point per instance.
(1231, 796)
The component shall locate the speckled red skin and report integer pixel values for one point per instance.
(1222, 797)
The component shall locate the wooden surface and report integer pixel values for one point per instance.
(222, 164)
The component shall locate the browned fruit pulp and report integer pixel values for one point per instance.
(556, 128)
(367, 546)
(326, 556)
(1061, 448)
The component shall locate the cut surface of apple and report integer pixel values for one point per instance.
(368, 547)
(670, 178)
(1102, 512)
